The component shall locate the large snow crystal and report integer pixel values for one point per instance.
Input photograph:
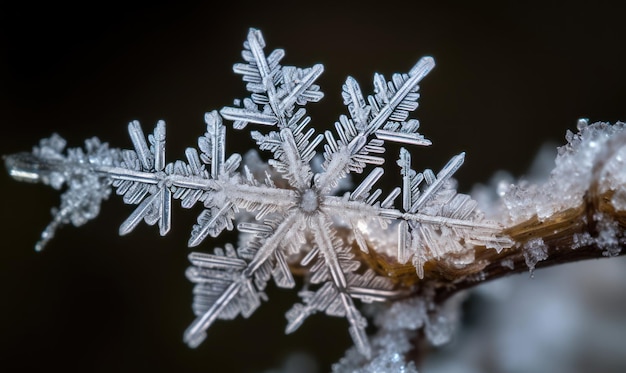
(287, 211)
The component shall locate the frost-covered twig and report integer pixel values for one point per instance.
(417, 245)
(578, 213)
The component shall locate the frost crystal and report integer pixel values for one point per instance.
(287, 211)
(534, 251)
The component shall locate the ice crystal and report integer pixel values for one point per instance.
(535, 251)
(287, 211)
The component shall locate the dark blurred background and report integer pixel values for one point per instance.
(510, 77)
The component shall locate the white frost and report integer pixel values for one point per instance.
(572, 176)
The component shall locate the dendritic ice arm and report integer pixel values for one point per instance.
(438, 221)
(275, 89)
(221, 291)
(335, 268)
(277, 96)
(383, 115)
(158, 205)
(231, 282)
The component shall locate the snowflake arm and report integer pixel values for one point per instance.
(394, 100)
(438, 218)
(389, 107)
(220, 291)
(335, 268)
(157, 207)
(235, 291)
(273, 87)
(277, 90)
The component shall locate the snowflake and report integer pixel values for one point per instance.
(289, 211)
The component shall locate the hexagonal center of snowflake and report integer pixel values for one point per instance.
(309, 200)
